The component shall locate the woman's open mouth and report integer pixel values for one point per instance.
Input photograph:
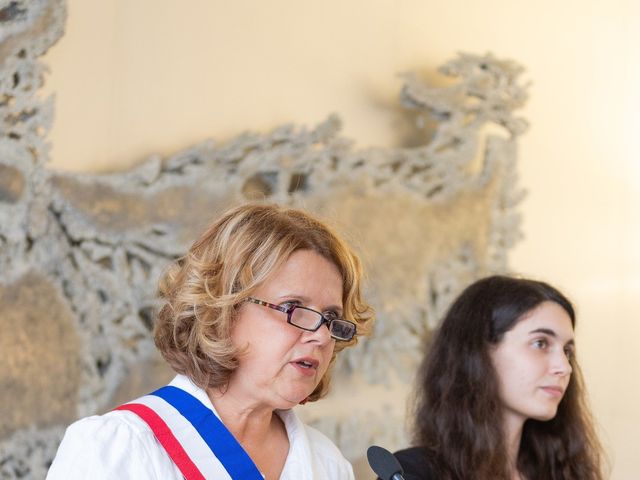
(306, 366)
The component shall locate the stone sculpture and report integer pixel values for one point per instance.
(80, 254)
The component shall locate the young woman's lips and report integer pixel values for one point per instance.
(555, 392)
(305, 365)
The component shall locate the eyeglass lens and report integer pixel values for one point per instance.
(310, 320)
(304, 318)
(342, 329)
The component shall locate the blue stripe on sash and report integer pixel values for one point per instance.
(219, 439)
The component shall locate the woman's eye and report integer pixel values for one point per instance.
(540, 343)
(289, 305)
(569, 353)
(330, 315)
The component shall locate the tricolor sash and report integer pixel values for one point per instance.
(193, 436)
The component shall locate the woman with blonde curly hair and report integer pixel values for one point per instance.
(253, 318)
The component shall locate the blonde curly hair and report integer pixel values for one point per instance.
(202, 291)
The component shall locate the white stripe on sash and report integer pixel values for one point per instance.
(197, 449)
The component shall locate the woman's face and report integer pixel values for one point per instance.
(532, 363)
(283, 364)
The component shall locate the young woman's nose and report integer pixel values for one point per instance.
(561, 364)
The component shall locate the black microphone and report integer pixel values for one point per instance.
(384, 464)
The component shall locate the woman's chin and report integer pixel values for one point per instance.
(293, 399)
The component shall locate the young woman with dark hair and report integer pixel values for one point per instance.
(500, 394)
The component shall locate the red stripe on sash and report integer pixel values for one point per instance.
(167, 439)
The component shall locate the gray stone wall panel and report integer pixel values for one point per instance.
(40, 365)
(81, 254)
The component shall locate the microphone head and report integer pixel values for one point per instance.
(383, 463)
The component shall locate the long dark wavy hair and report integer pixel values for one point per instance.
(458, 409)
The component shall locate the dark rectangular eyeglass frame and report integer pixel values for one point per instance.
(289, 312)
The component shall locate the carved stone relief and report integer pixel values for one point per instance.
(80, 254)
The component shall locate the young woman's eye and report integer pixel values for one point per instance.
(541, 343)
(568, 353)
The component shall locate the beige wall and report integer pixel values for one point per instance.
(133, 78)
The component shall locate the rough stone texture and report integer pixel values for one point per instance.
(11, 184)
(80, 254)
(40, 360)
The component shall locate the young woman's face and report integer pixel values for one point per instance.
(532, 363)
(283, 364)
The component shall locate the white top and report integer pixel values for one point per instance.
(120, 445)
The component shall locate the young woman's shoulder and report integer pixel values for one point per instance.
(117, 444)
(415, 463)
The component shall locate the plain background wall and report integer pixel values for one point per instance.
(136, 77)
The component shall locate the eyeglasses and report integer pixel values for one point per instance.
(310, 320)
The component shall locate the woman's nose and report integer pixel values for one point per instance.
(321, 336)
(562, 364)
